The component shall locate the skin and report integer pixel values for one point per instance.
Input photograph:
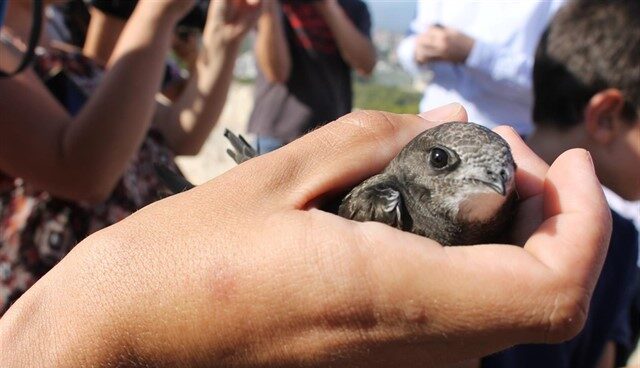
(272, 50)
(82, 158)
(102, 36)
(245, 271)
(187, 122)
(442, 44)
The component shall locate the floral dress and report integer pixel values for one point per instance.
(37, 229)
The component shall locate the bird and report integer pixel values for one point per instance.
(176, 183)
(453, 183)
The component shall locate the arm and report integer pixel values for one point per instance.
(497, 68)
(271, 48)
(501, 68)
(257, 276)
(102, 36)
(426, 12)
(82, 158)
(355, 47)
(187, 123)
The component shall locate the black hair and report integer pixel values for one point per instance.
(590, 45)
(123, 9)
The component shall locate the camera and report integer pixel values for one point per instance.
(196, 18)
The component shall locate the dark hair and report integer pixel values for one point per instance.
(123, 9)
(590, 45)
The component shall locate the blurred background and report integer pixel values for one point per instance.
(389, 88)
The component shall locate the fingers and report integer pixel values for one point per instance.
(351, 149)
(531, 169)
(574, 236)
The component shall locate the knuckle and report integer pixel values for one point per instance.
(367, 125)
(567, 315)
(285, 167)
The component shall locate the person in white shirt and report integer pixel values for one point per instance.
(479, 53)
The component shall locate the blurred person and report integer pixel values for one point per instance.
(259, 276)
(79, 141)
(305, 52)
(67, 21)
(596, 108)
(479, 53)
(108, 19)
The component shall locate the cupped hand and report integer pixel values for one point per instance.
(440, 43)
(244, 271)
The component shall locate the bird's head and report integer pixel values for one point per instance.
(467, 170)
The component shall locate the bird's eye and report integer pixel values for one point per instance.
(438, 158)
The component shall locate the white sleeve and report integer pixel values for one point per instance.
(504, 68)
(425, 15)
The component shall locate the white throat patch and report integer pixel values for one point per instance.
(480, 206)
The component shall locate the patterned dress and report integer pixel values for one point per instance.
(37, 229)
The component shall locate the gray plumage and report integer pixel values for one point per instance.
(242, 150)
(453, 183)
(176, 183)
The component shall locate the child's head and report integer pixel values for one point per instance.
(587, 86)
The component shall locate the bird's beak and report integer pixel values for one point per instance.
(497, 184)
(499, 179)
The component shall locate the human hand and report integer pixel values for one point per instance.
(439, 43)
(244, 270)
(232, 19)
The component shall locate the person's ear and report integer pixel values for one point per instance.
(603, 115)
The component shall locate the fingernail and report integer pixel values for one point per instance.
(442, 113)
(516, 134)
(590, 160)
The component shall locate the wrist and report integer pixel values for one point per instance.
(59, 322)
(215, 40)
(480, 55)
(466, 45)
(31, 326)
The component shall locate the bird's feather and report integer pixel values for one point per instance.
(175, 182)
(378, 199)
(242, 150)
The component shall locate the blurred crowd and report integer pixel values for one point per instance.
(113, 88)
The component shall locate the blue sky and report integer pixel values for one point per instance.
(392, 14)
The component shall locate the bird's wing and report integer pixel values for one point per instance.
(176, 183)
(242, 150)
(376, 200)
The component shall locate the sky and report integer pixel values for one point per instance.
(392, 15)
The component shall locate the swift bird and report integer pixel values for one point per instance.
(454, 183)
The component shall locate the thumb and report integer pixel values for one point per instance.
(574, 236)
